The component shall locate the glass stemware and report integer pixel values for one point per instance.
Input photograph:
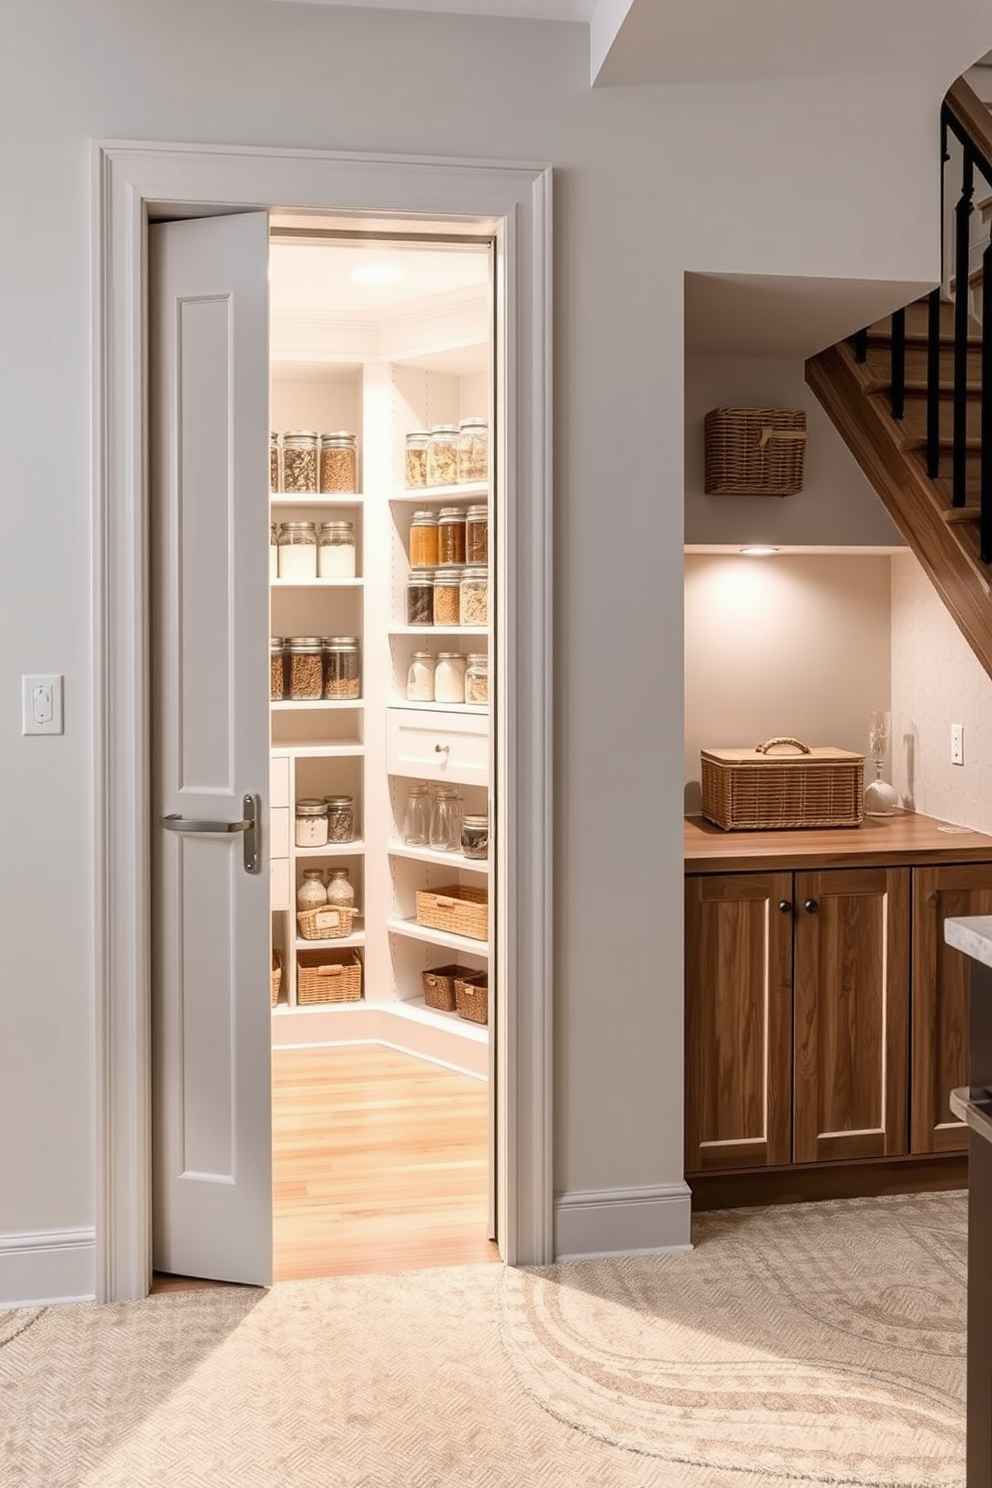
(880, 798)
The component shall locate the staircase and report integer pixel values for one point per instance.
(912, 395)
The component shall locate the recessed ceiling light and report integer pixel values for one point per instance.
(758, 550)
(376, 273)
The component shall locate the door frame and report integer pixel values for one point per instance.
(135, 180)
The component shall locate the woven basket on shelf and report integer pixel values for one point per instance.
(754, 451)
(439, 985)
(456, 908)
(328, 976)
(472, 997)
(752, 789)
(326, 922)
(276, 975)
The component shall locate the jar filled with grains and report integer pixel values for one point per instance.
(298, 551)
(299, 461)
(312, 893)
(339, 888)
(415, 460)
(473, 597)
(340, 818)
(423, 540)
(306, 669)
(477, 535)
(442, 455)
(477, 678)
(336, 551)
(446, 591)
(277, 668)
(449, 677)
(451, 535)
(339, 461)
(475, 836)
(342, 668)
(273, 552)
(473, 450)
(420, 678)
(273, 462)
(311, 823)
(420, 597)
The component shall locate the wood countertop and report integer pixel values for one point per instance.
(882, 841)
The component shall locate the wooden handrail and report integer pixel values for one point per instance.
(972, 114)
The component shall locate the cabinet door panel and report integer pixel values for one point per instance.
(851, 1011)
(940, 1000)
(738, 1021)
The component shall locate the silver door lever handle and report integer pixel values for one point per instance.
(249, 824)
(188, 824)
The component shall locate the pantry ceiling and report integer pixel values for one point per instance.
(547, 10)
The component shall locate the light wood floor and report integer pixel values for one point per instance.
(380, 1163)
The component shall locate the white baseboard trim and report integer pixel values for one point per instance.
(43, 1266)
(622, 1221)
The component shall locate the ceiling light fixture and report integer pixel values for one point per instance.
(376, 273)
(758, 550)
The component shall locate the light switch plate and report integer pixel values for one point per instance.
(41, 704)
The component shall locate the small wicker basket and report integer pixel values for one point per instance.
(276, 975)
(752, 789)
(439, 985)
(326, 922)
(328, 976)
(456, 908)
(754, 451)
(472, 997)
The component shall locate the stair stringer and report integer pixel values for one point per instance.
(840, 384)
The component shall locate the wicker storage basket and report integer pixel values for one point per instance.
(472, 997)
(439, 985)
(754, 451)
(457, 908)
(276, 975)
(326, 922)
(328, 976)
(754, 789)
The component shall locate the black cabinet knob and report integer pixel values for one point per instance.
(811, 905)
(785, 906)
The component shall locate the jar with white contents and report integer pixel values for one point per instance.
(449, 677)
(311, 823)
(312, 893)
(336, 551)
(298, 551)
(420, 678)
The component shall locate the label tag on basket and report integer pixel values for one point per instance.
(328, 919)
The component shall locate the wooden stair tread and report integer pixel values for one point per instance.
(919, 441)
(955, 515)
(917, 388)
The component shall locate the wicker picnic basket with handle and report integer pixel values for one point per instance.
(751, 789)
(754, 451)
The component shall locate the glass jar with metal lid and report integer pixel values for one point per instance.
(339, 461)
(277, 668)
(473, 597)
(420, 597)
(415, 458)
(451, 535)
(312, 893)
(274, 462)
(477, 678)
(339, 888)
(446, 592)
(306, 669)
(449, 677)
(340, 818)
(423, 540)
(442, 455)
(473, 450)
(342, 667)
(299, 461)
(477, 534)
(311, 823)
(336, 550)
(475, 836)
(273, 552)
(420, 678)
(298, 551)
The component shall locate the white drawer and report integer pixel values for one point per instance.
(279, 883)
(279, 832)
(278, 780)
(438, 746)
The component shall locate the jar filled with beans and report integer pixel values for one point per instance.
(340, 818)
(342, 668)
(306, 669)
(423, 540)
(274, 462)
(473, 450)
(420, 597)
(477, 534)
(415, 458)
(446, 596)
(299, 461)
(339, 461)
(273, 552)
(451, 535)
(442, 455)
(277, 669)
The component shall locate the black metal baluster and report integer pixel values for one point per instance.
(985, 497)
(962, 269)
(933, 384)
(898, 363)
(860, 339)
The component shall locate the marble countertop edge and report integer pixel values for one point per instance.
(971, 934)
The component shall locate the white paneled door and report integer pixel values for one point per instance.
(211, 1036)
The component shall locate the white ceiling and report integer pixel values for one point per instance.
(541, 10)
(316, 280)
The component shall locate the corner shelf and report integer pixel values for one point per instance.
(453, 942)
(442, 859)
(323, 499)
(340, 942)
(316, 583)
(447, 494)
(328, 705)
(354, 849)
(429, 630)
(475, 709)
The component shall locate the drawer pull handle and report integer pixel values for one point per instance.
(811, 905)
(784, 906)
(441, 748)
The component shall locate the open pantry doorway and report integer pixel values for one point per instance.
(134, 183)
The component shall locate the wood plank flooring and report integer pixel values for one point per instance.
(380, 1163)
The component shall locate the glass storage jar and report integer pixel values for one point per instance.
(417, 816)
(415, 459)
(477, 678)
(339, 461)
(342, 667)
(423, 540)
(274, 462)
(311, 823)
(420, 678)
(442, 455)
(273, 552)
(445, 833)
(299, 461)
(473, 450)
(473, 597)
(449, 677)
(339, 888)
(298, 551)
(306, 669)
(451, 535)
(311, 894)
(340, 818)
(277, 669)
(336, 550)
(477, 535)
(446, 592)
(475, 836)
(420, 597)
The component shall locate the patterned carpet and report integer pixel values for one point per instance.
(819, 1344)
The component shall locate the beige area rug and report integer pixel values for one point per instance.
(821, 1344)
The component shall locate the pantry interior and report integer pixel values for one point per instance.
(383, 535)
